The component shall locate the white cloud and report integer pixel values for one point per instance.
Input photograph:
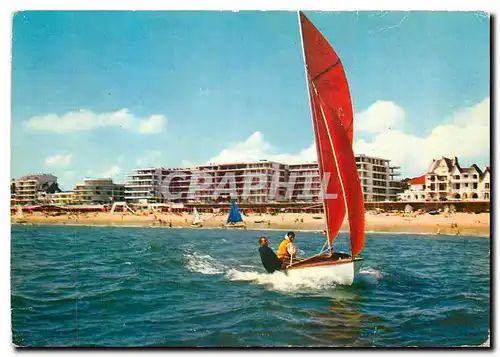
(380, 117)
(58, 160)
(66, 179)
(84, 120)
(187, 163)
(150, 158)
(151, 125)
(113, 172)
(256, 148)
(465, 136)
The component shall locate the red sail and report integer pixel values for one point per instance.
(327, 74)
(334, 206)
(346, 163)
(333, 126)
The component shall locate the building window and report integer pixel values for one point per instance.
(466, 176)
(474, 185)
(466, 185)
(456, 177)
(432, 187)
(487, 185)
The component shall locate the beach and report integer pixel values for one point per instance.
(468, 224)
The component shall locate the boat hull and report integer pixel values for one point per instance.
(236, 225)
(341, 270)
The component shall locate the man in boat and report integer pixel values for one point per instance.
(287, 249)
(269, 259)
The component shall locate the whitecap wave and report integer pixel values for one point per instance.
(204, 264)
(279, 281)
(369, 275)
(369, 271)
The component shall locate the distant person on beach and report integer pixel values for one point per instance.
(269, 260)
(287, 249)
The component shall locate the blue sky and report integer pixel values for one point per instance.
(227, 82)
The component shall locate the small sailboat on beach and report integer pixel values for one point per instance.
(19, 212)
(332, 118)
(196, 219)
(234, 220)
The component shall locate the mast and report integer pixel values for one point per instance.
(312, 119)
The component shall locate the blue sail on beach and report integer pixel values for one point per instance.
(234, 214)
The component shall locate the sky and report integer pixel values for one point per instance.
(97, 94)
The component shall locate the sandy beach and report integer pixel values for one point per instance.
(452, 224)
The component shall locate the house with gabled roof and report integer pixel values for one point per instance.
(445, 179)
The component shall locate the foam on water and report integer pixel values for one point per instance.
(204, 264)
(277, 281)
(370, 275)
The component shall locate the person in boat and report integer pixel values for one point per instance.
(269, 260)
(287, 249)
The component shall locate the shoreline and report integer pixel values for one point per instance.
(248, 229)
(458, 224)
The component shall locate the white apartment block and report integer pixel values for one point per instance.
(149, 185)
(28, 188)
(98, 190)
(377, 178)
(252, 182)
(304, 181)
(255, 182)
(445, 179)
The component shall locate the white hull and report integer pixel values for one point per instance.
(342, 272)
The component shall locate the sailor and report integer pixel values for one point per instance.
(287, 249)
(269, 259)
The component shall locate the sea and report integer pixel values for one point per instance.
(164, 287)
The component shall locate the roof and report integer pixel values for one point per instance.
(417, 180)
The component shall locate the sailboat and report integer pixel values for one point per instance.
(234, 219)
(196, 218)
(19, 212)
(332, 118)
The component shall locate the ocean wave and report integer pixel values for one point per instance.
(369, 275)
(279, 281)
(204, 264)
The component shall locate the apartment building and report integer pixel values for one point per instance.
(98, 190)
(157, 185)
(377, 177)
(304, 182)
(27, 189)
(63, 198)
(251, 182)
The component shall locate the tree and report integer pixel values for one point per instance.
(404, 184)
